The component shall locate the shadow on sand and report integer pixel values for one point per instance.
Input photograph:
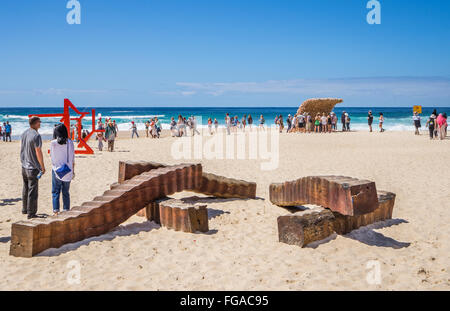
(368, 236)
(5, 202)
(128, 230)
(5, 239)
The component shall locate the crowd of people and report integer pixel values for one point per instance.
(298, 123)
(436, 124)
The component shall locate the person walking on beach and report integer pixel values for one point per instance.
(100, 135)
(158, 127)
(116, 127)
(343, 118)
(244, 122)
(442, 126)
(1, 131)
(194, 126)
(110, 134)
(32, 167)
(216, 125)
(180, 126)
(62, 154)
(381, 120)
(228, 123)
(416, 121)
(370, 120)
(261, 122)
(280, 123)
(446, 123)
(250, 121)
(134, 130)
(210, 126)
(289, 123)
(147, 125)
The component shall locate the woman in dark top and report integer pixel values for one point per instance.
(431, 123)
(370, 120)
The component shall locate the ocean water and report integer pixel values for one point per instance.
(396, 119)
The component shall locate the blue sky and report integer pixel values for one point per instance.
(224, 53)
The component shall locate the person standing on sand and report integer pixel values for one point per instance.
(100, 135)
(261, 122)
(347, 122)
(324, 123)
(228, 123)
(32, 166)
(62, 152)
(381, 120)
(250, 121)
(431, 124)
(446, 124)
(216, 125)
(3, 131)
(116, 127)
(442, 126)
(343, 117)
(110, 135)
(416, 121)
(317, 124)
(210, 126)
(158, 126)
(334, 120)
(194, 126)
(173, 127)
(370, 120)
(280, 123)
(8, 131)
(329, 123)
(147, 124)
(289, 123)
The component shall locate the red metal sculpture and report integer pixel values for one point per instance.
(66, 118)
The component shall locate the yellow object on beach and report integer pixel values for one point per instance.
(417, 109)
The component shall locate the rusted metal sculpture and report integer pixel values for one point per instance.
(218, 186)
(104, 213)
(179, 215)
(305, 228)
(346, 195)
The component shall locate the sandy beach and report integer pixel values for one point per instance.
(241, 251)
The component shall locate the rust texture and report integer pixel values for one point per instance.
(346, 195)
(303, 229)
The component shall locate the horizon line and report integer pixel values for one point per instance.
(127, 107)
